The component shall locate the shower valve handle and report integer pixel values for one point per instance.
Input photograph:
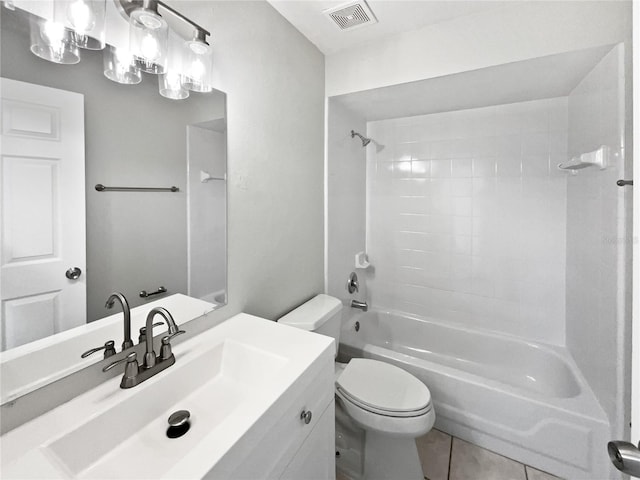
(352, 283)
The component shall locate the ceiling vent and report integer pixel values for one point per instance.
(351, 15)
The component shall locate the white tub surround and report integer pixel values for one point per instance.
(599, 240)
(466, 217)
(494, 390)
(36, 364)
(245, 382)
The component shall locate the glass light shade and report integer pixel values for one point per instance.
(170, 86)
(120, 66)
(85, 18)
(197, 66)
(53, 42)
(148, 40)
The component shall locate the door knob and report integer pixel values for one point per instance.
(73, 273)
(625, 457)
(305, 416)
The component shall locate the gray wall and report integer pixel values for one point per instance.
(346, 200)
(274, 80)
(134, 137)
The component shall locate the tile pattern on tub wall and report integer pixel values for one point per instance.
(479, 189)
(470, 462)
(533, 474)
(434, 450)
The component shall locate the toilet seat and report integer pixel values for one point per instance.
(379, 411)
(383, 389)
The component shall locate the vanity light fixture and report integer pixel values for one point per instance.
(149, 37)
(52, 41)
(120, 66)
(85, 18)
(171, 83)
(171, 86)
(198, 59)
(82, 24)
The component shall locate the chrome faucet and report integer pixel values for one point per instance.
(361, 305)
(127, 342)
(135, 374)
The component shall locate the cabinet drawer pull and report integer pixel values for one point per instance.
(305, 416)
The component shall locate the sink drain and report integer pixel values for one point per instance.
(178, 423)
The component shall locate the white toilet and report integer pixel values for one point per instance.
(387, 405)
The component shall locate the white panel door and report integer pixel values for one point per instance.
(43, 212)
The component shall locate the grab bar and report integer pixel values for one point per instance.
(145, 294)
(102, 188)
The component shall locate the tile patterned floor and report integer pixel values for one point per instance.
(445, 457)
(448, 458)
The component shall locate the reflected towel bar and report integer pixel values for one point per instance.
(145, 294)
(102, 188)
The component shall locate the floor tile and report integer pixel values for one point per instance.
(469, 462)
(434, 449)
(533, 474)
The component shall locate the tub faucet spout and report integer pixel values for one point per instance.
(361, 305)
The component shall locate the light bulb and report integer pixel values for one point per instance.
(123, 57)
(53, 33)
(173, 79)
(149, 48)
(81, 17)
(197, 70)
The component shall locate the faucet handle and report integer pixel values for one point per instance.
(165, 350)
(130, 370)
(109, 350)
(142, 337)
(352, 283)
(132, 357)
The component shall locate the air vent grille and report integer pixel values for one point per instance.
(351, 15)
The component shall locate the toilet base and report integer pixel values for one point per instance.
(391, 458)
(368, 455)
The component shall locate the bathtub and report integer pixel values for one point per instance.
(524, 400)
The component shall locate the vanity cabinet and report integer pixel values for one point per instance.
(315, 459)
(290, 443)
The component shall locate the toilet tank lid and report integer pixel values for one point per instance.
(312, 314)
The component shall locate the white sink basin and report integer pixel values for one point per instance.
(211, 386)
(229, 378)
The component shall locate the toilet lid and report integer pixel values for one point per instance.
(383, 386)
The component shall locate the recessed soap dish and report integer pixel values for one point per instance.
(597, 158)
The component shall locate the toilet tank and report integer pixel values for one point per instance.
(322, 314)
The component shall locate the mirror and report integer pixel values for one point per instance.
(127, 136)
